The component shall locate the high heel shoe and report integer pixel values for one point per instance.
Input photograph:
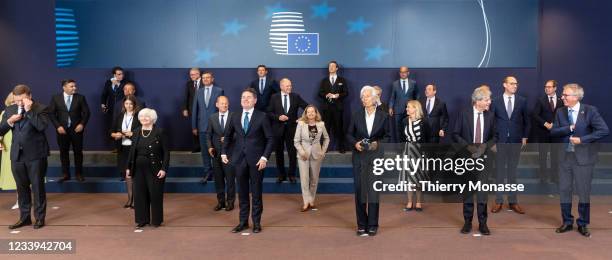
(409, 208)
(418, 208)
(305, 208)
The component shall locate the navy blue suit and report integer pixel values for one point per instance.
(398, 101)
(29, 152)
(576, 167)
(463, 134)
(263, 99)
(248, 148)
(510, 131)
(200, 113)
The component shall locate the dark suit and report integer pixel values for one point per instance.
(200, 112)
(511, 130)
(578, 161)
(437, 119)
(190, 89)
(367, 217)
(285, 131)
(69, 118)
(544, 113)
(398, 101)
(463, 134)
(224, 174)
(248, 148)
(148, 155)
(332, 110)
(29, 152)
(111, 98)
(263, 99)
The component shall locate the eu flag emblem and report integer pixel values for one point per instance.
(303, 44)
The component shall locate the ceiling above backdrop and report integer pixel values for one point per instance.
(296, 34)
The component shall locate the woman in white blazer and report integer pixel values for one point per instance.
(311, 141)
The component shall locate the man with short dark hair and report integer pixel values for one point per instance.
(543, 116)
(333, 89)
(434, 109)
(69, 113)
(112, 95)
(29, 151)
(252, 139)
(265, 87)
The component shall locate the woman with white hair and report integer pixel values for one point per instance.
(147, 165)
(369, 127)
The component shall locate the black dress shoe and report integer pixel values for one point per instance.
(372, 231)
(229, 206)
(204, 180)
(39, 224)
(21, 223)
(240, 227)
(219, 206)
(362, 233)
(467, 228)
(583, 230)
(155, 225)
(63, 179)
(342, 151)
(292, 179)
(484, 230)
(280, 179)
(256, 228)
(80, 178)
(141, 225)
(564, 228)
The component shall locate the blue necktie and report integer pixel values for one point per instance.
(245, 123)
(403, 87)
(68, 103)
(206, 96)
(261, 86)
(570, 119)
(428, 106)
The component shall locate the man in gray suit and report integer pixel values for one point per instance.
(403, 90)
(224, 175)
(203, 107)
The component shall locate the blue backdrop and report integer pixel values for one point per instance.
(296, 34)
(574, 46)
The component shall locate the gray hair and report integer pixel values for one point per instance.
(576, 89)
(481, 93)
(147, 112)
(370, 89)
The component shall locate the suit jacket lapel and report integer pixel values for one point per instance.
(470, 120)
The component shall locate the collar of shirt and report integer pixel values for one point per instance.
(250, 111)
(66, 95)
(575, 108)
(554, 97)
(262, 78)
(508, 96)
(223, 114)
(431, 100)
(476, 111)
(208, 87)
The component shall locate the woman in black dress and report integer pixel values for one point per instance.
(123, 131)
(147, 165)
(414, 131)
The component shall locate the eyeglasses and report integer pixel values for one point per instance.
(568, 95)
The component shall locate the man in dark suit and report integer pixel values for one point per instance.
(475, 129)
(283, 111)
(512, 121)
(129, 88)
(192, 85)
(402, 90)
(224, 174)
(29, 152)
(579, 126)
(367, 131)
(203, 107)
(69, 114)
(436, 113)
(382, 106)
(332, 91)
(112, 95)
(543, 116)
(265, 87)
(252, 139)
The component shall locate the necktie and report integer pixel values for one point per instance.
(285, 107)
(551, 102)
(333, 80)
(222, 124)
(403, 86)
(261, 86)
(195, 85)
(428, 106)
(509, 107)
(114, 88)
(21, 111)
(478, 138)
(245, 122)
(570, 119)
(68, 103)
(206, 95)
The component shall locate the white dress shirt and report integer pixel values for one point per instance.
(332, 78)
(126, 125)
(554, 99)
(283, 94)
(575, 109)
(224, 119)
(513, 98)
(431, 101)
(369, 121)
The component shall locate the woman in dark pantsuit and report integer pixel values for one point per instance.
(123, 129)
(147, 165)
